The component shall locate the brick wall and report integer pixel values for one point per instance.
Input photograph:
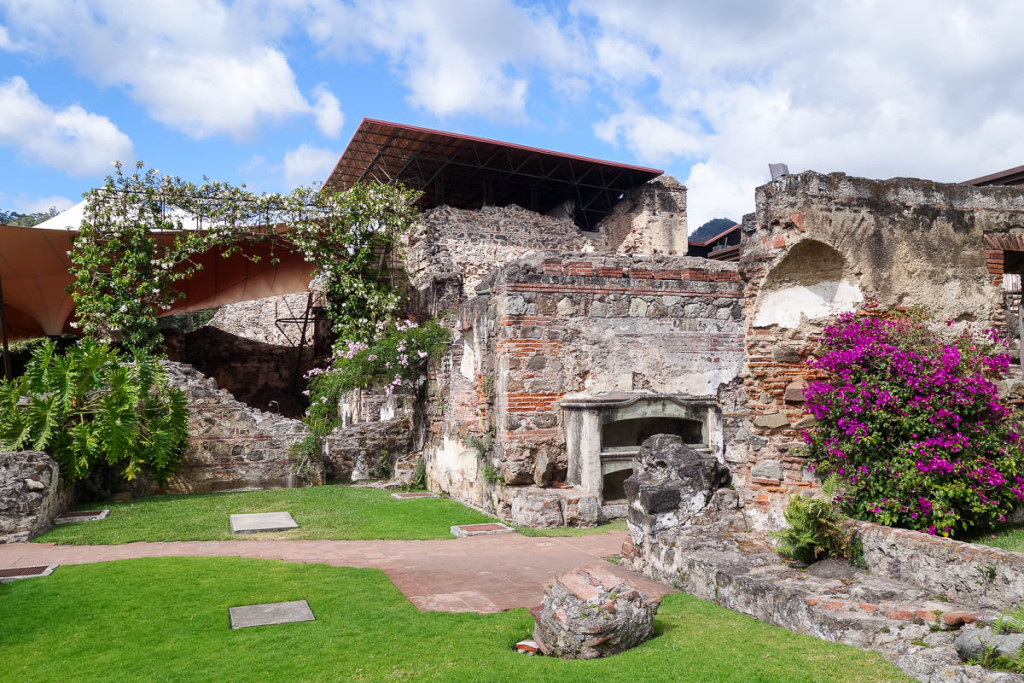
(552, 326)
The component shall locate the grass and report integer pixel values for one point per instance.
(167, 619)
(1006, 537)
(322, 512)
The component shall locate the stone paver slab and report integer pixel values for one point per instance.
(262, 521)
(414, 495)
(270, 614)
(464, 530)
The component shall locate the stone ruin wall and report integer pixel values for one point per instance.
(554, 326)
(231, 446)
(470, 244)
(31, 495)
(649, 220)
(261, 375)
(256, 320)
(819, 245)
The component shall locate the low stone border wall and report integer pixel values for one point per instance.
(31, 495)
(961, 572)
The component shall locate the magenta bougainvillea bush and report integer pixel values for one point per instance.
(913, 425)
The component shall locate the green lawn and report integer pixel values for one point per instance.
(322, 512)
(166, 619)
(1006, 537)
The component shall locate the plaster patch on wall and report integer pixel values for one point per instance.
(785, 307)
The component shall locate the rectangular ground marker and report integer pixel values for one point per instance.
(262, 521)
(15, 573)
(270, 614)
(464, 530)
(411, 496)
(82, 516)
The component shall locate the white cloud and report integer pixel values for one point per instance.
(197, 66)
(307, 165)
(454, 57)
(23, 204)
(5, 40)
(327, 110)
(870, 88)
(70, 139)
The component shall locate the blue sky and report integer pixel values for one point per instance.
(267, 92)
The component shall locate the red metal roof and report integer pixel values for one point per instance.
(716, 237)
(1011, 176)
(469, 172)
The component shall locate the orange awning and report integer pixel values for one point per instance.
(34, 267)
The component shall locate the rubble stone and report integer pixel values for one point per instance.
(671, 483)
(31, 495)
(590, 613)
(231, 446)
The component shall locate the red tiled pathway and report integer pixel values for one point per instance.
(476, 574)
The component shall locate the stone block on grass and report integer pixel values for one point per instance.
(262, 521)
(270, 614)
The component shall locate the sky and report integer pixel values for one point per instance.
(268, 92)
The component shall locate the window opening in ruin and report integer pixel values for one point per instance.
(1013, 267)
(621, 439)
(613, 486)
(627, 435)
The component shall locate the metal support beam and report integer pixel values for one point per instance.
(3, 334)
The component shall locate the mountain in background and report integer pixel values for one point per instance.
(715, 226)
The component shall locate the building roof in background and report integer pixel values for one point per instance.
(717, 237)
(1011, 176)
(468, 172)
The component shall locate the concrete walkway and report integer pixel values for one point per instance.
(477, 574)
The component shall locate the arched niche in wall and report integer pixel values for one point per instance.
(811, 282)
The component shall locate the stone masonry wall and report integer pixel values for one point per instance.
(256, 320)
(471, 244)
(31, 495)
(554, 326)
(231, 446)
(649, 220)
(819, 245)
(260, 375)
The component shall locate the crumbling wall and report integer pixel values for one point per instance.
(649, 220)
(819, 245)
(367, 450)
(470, 244)
(555, 326)
(260, 375)
(256, 320)
(231, 446)
(31, 495)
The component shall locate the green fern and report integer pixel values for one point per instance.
(814, 528)
(94, 405)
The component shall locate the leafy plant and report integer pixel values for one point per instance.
(140, 236)
(814, 528)
(93, 408)
(913, 425)
(1011, 620)
(492, 475)
(352, 238)
(395, 357)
